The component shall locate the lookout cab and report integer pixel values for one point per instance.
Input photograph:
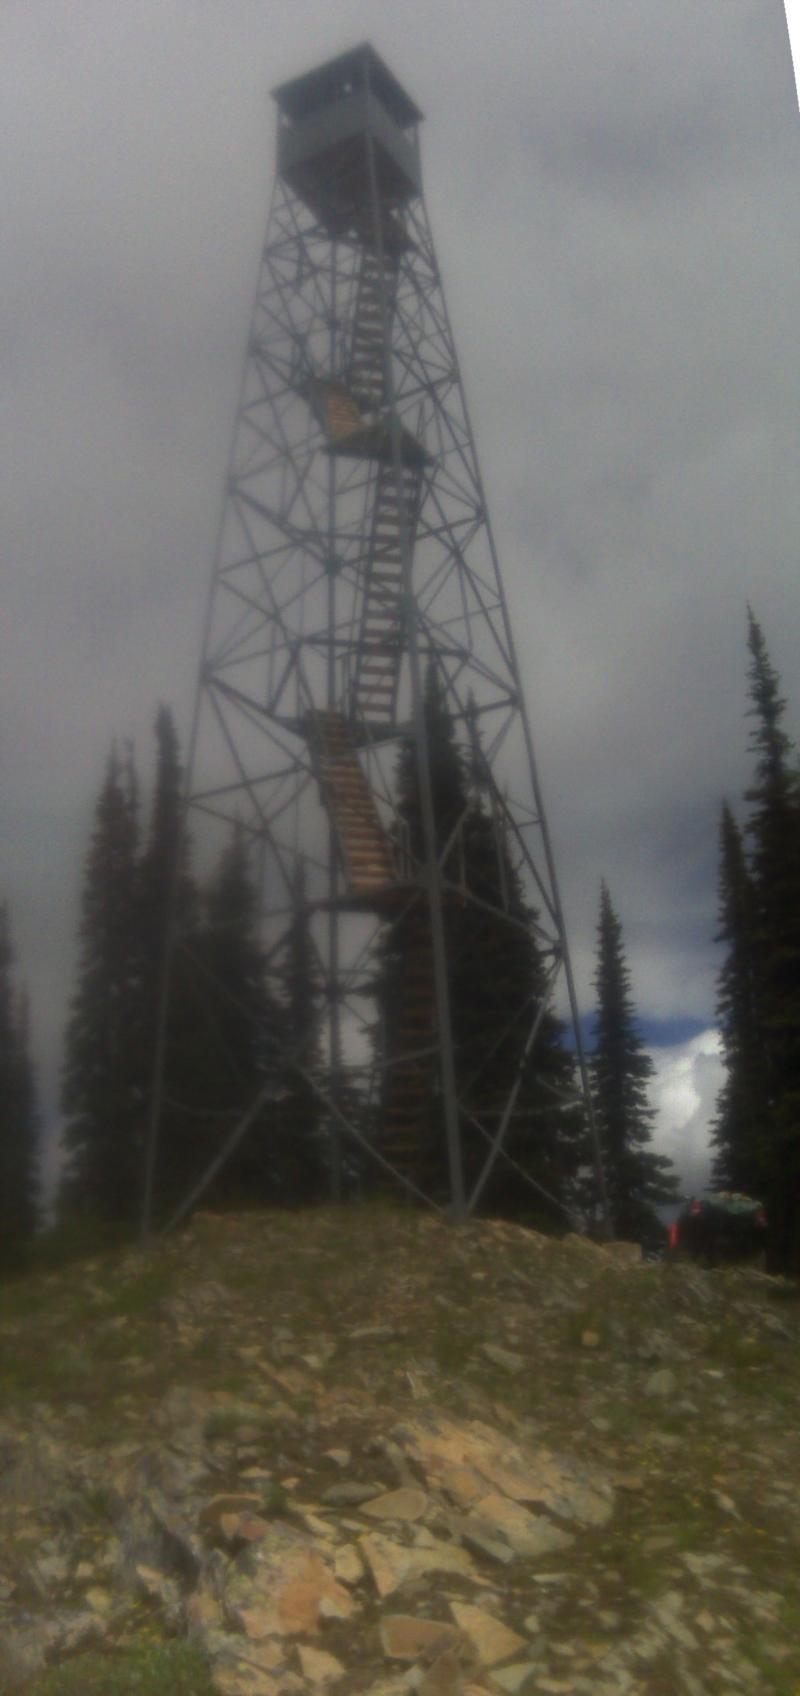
(336, 126)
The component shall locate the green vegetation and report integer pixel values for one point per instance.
(18, 1116)
(143, 1669)
(102, 1135)
(497, 987)
(230, 1025)
(637, 1179)
(757, 1130)
(138, 1291)
(225, 1422)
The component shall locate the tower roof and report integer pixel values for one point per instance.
(304, 95)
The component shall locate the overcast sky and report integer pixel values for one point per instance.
(613, 193)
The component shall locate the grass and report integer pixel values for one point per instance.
(76, 1239)
(64, 1374)
(91, 1505)
(225, 1422)
(64, 1330)
(588, 1321)
(230, 1310)
(729, 1346)
(139, 1292)
(144, 1669)
(779, 1678)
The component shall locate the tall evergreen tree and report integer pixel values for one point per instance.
(405, 964)
(497, 982)
(230, 1046)
(740, 1130)
(18, 1117)
(101, 1087)
(301, 1165)
(166, 886)
(500, 991)
(774, 832)
(168, 920)
(637, 1178)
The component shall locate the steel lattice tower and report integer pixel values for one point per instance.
(354, 554)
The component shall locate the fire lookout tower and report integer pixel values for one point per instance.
(355, 581)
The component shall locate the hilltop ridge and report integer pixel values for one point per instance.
(360, 1451)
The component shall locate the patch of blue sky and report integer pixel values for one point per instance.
(654, 1033)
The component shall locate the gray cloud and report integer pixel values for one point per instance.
(685, 1088)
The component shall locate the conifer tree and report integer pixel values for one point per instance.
(18, 1116)
(101, 1087)
(774, 832)
(165, 856)
(740, 1131)
(637, 1178)
(405, 966)
(168, 919)
(500, 992)
(233, 1045)
(496, 979)
(299, 1132)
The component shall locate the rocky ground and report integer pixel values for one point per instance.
(362, 1451)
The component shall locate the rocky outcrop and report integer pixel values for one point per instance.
(346, 1487)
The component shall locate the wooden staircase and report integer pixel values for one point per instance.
(353, 415)
(376, 292)
(363, 843)
(382, 634)
(372, 879)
